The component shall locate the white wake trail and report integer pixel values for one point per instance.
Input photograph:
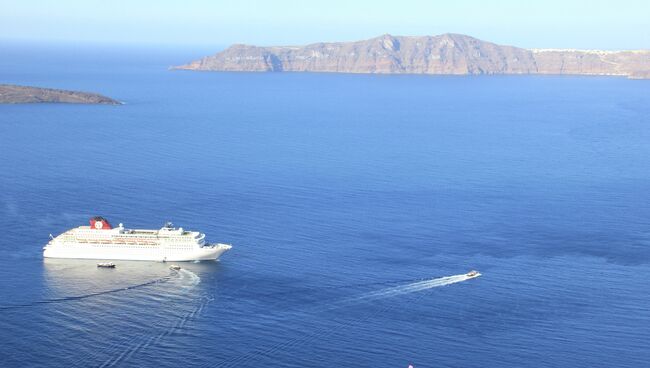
(413, 287)
(188, 279)
(326, 331)
(400, 290)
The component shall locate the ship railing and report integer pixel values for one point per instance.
(123, 242)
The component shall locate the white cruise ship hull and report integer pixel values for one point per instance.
(157, 254)
(101, 241)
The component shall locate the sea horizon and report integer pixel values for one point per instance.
(355, 205)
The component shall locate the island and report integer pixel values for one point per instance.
(446, 54)
(13, 94)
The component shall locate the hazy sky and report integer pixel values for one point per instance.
(620, 24)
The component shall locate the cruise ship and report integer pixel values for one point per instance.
(102, 241)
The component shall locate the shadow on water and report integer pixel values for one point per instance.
(63, 276)
(79, 297)
(84, 280)
(147, 299)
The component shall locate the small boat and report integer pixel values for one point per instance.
(473, 273)
(106, 265)
(175, 267)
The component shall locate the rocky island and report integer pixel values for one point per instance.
(12, 94)
(453, 54)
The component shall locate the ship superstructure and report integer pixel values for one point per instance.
(102, 241)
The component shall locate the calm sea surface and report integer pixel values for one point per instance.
(346, 199)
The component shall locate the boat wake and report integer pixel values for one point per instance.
(394, 291)
(187, 279)
(142, 342)
(183, 307)
(85, 296)
(389, 292)
(407, 289)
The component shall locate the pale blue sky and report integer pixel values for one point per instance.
(621, 24)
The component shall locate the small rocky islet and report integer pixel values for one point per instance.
(14, 94)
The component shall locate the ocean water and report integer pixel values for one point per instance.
(354, 204)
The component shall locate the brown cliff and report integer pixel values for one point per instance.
(444, 54)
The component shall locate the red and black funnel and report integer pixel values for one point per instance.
(99, 223)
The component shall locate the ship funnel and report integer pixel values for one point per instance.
(99, 223)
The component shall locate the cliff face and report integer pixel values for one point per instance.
(21, 94)
(443, 54)
(624, 63)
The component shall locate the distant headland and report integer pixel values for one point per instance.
(12, 94)
(452, 54)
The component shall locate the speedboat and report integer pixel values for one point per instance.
(106, 265)
(473, 273)
(175, 267)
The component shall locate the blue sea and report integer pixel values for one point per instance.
(351, 201)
